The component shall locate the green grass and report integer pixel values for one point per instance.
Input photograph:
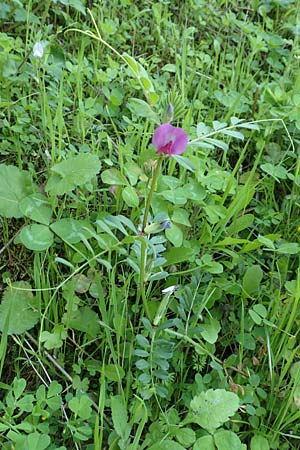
(93, 355)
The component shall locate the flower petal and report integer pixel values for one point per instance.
(162, 135)
(180, 141)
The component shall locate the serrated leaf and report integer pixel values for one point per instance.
(15, 184)
(212, 408)
(36, 207)
(17, 309)
(36, 237)
(84, 319)
(73, 172)
(119, 417)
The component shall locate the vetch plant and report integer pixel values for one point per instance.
(172, 141)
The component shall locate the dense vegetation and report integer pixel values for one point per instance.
(183, 334)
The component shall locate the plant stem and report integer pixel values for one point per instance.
(143, 241)
(143, 276)
(152, 188)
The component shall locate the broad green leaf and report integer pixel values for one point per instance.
(130, 197)
(174, 235)
(18, 307)
(142, 109)
(209, 265)
(133, 172)
(36, 237)
(227, 440)
(37, 207)
(84, 319)
(73, 172)
(252, 279)
(290, 248)
(119, 417)
(113, 176)
(212, 408)
(72, 230)
(195, 191)
(240, 224)
(268, 243)
(114, 372)
(210, 331)
(204, 443)
(259, 442)
(177, 255)
(15, 184)
(177, 196)
(185, 436)
(181, 216)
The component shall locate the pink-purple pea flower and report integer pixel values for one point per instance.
(170, 140)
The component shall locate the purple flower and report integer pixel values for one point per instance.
(170, 140)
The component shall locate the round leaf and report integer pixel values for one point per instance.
(36, 237)
(37, 207)
(227, 440)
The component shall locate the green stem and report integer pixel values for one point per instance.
(152, 188)
(143, 276)
(143, 241)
